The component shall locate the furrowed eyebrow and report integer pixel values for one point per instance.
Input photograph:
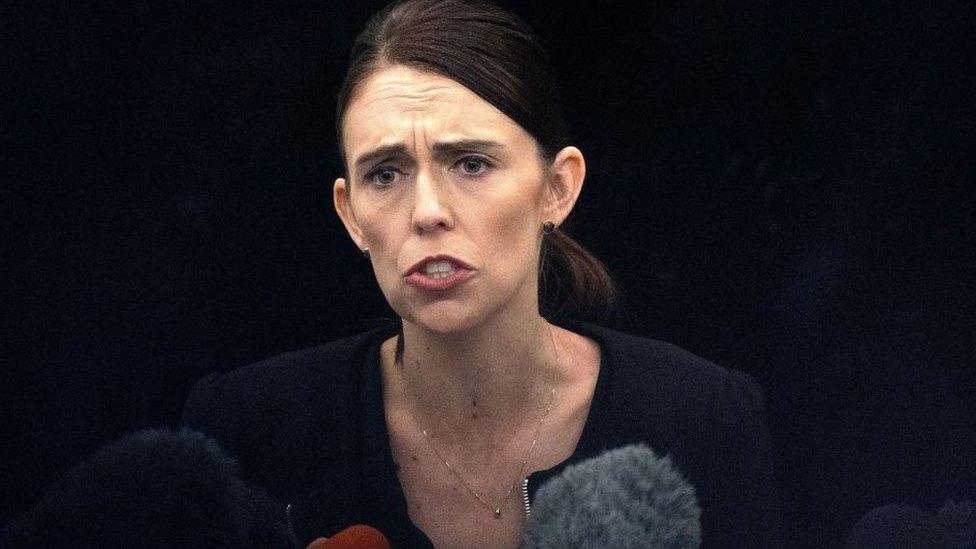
(382, 152)
(482, 145)
(441, 149)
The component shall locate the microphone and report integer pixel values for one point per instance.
(896, 526)
(154, 488)
(906, 526)
(959, 520)
(625, 498)
(355, 537)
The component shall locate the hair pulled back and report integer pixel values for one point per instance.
(496, 55)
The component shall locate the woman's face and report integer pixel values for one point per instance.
(434, 170)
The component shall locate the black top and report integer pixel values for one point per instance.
(309, 427)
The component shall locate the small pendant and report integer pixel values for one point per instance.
(498, 513)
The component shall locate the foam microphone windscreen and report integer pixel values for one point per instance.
(958, 518)
(154, 488)
(896, 527)
(624, 498)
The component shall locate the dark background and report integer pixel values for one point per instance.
(785, 190)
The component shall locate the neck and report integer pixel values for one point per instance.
(483, 382)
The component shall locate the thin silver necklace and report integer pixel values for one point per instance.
(496, 509)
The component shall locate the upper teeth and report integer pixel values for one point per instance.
(438, 269)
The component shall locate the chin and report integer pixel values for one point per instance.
(458, 313)
(444, 317)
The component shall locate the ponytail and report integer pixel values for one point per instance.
(574, 283)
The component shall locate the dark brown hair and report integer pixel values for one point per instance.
(497, 56)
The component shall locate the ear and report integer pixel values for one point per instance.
(343, 207)
(565, 181)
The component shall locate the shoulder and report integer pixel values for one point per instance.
(650, 386)
(646, 364)
(283, 387)
(685, 374)
(287, 371)
(712, 422)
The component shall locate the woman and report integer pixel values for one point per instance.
(458, 176)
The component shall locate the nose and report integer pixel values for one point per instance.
(430, 210)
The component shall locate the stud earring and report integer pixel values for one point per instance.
(366, 252)
(548, 227)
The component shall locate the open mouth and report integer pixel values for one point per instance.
(438, 273)
(439, 269)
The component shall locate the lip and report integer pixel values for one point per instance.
(417, 278)
(424, 282)
(439, 257)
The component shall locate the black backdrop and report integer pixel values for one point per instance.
(785, 190)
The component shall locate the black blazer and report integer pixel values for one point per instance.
(309, 427)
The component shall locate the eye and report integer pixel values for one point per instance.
(473, 165)
(382, 176)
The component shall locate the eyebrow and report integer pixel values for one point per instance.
(441, 149)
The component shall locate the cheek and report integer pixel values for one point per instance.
(513, 237)
(379, 225)
(377, 219)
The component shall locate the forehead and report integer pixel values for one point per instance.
(404, 105)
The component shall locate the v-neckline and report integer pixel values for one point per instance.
(383, 501)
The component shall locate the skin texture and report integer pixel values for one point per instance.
(478, 360)
(484, 206)
(488, 216)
